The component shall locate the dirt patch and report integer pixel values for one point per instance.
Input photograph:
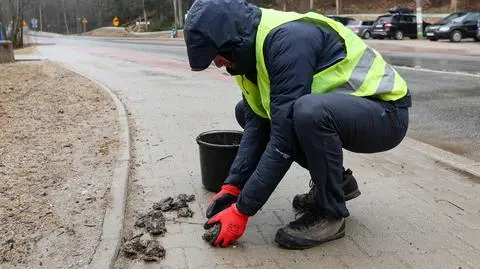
(59, 138)
(26, 50)
(108, 32)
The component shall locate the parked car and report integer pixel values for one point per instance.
(361, 28)
(478, 31)
(396, 24)
(455, 27)
(343, 20)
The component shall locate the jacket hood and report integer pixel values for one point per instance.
(225, 27)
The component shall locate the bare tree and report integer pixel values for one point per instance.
(11, 12)
(65, 16)
(180, 14)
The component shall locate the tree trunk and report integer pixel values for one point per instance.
(6, 52)
(453, 5)
(17, 24)
(40, 19)
(311, 4)
(180, 14)
(20, 41)
(175, 13)
(45, 18)
(65, 17)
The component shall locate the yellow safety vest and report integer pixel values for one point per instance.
(363, 71)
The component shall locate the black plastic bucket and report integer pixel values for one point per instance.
(217, 152)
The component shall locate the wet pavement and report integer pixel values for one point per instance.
(440, 62)
(445, 111)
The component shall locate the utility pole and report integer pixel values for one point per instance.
(311, 5)
(337, 4)
(419, 19)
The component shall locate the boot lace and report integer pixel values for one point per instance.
(308, 219)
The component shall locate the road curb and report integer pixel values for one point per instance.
(455, 161)
(108, 247)
(107, 250)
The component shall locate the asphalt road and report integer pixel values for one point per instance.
(445, 113)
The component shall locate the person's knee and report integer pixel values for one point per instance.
(240, 113)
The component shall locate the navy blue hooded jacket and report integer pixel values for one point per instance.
(293, 53)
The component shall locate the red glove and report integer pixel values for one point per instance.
(227, 196)
(232, 226)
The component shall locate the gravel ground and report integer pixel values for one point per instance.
(59, 139)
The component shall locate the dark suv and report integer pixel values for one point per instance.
(455, 27)
(396, 25)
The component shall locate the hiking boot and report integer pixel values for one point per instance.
(306, 201)
(310, 230)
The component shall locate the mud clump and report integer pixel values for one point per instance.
(144, 248)
(153, 251)
(153, 222)
(164, 205)
(211, 233)
(186, 198)
(185, 212)
(170, 203)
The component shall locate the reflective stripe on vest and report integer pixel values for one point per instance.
(363, 72)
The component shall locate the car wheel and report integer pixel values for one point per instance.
(433, 39)
(456, 36)
(367, 35)
(399, 35)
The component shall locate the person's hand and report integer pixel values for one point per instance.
(232, 226)
(227, 196)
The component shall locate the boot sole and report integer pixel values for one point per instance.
(352, 195)
(289, 242)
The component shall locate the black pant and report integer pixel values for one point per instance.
(326, 123)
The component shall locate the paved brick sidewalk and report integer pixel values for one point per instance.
(413, 211)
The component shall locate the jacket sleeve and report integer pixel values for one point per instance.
(290, 62)
(252, 145)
